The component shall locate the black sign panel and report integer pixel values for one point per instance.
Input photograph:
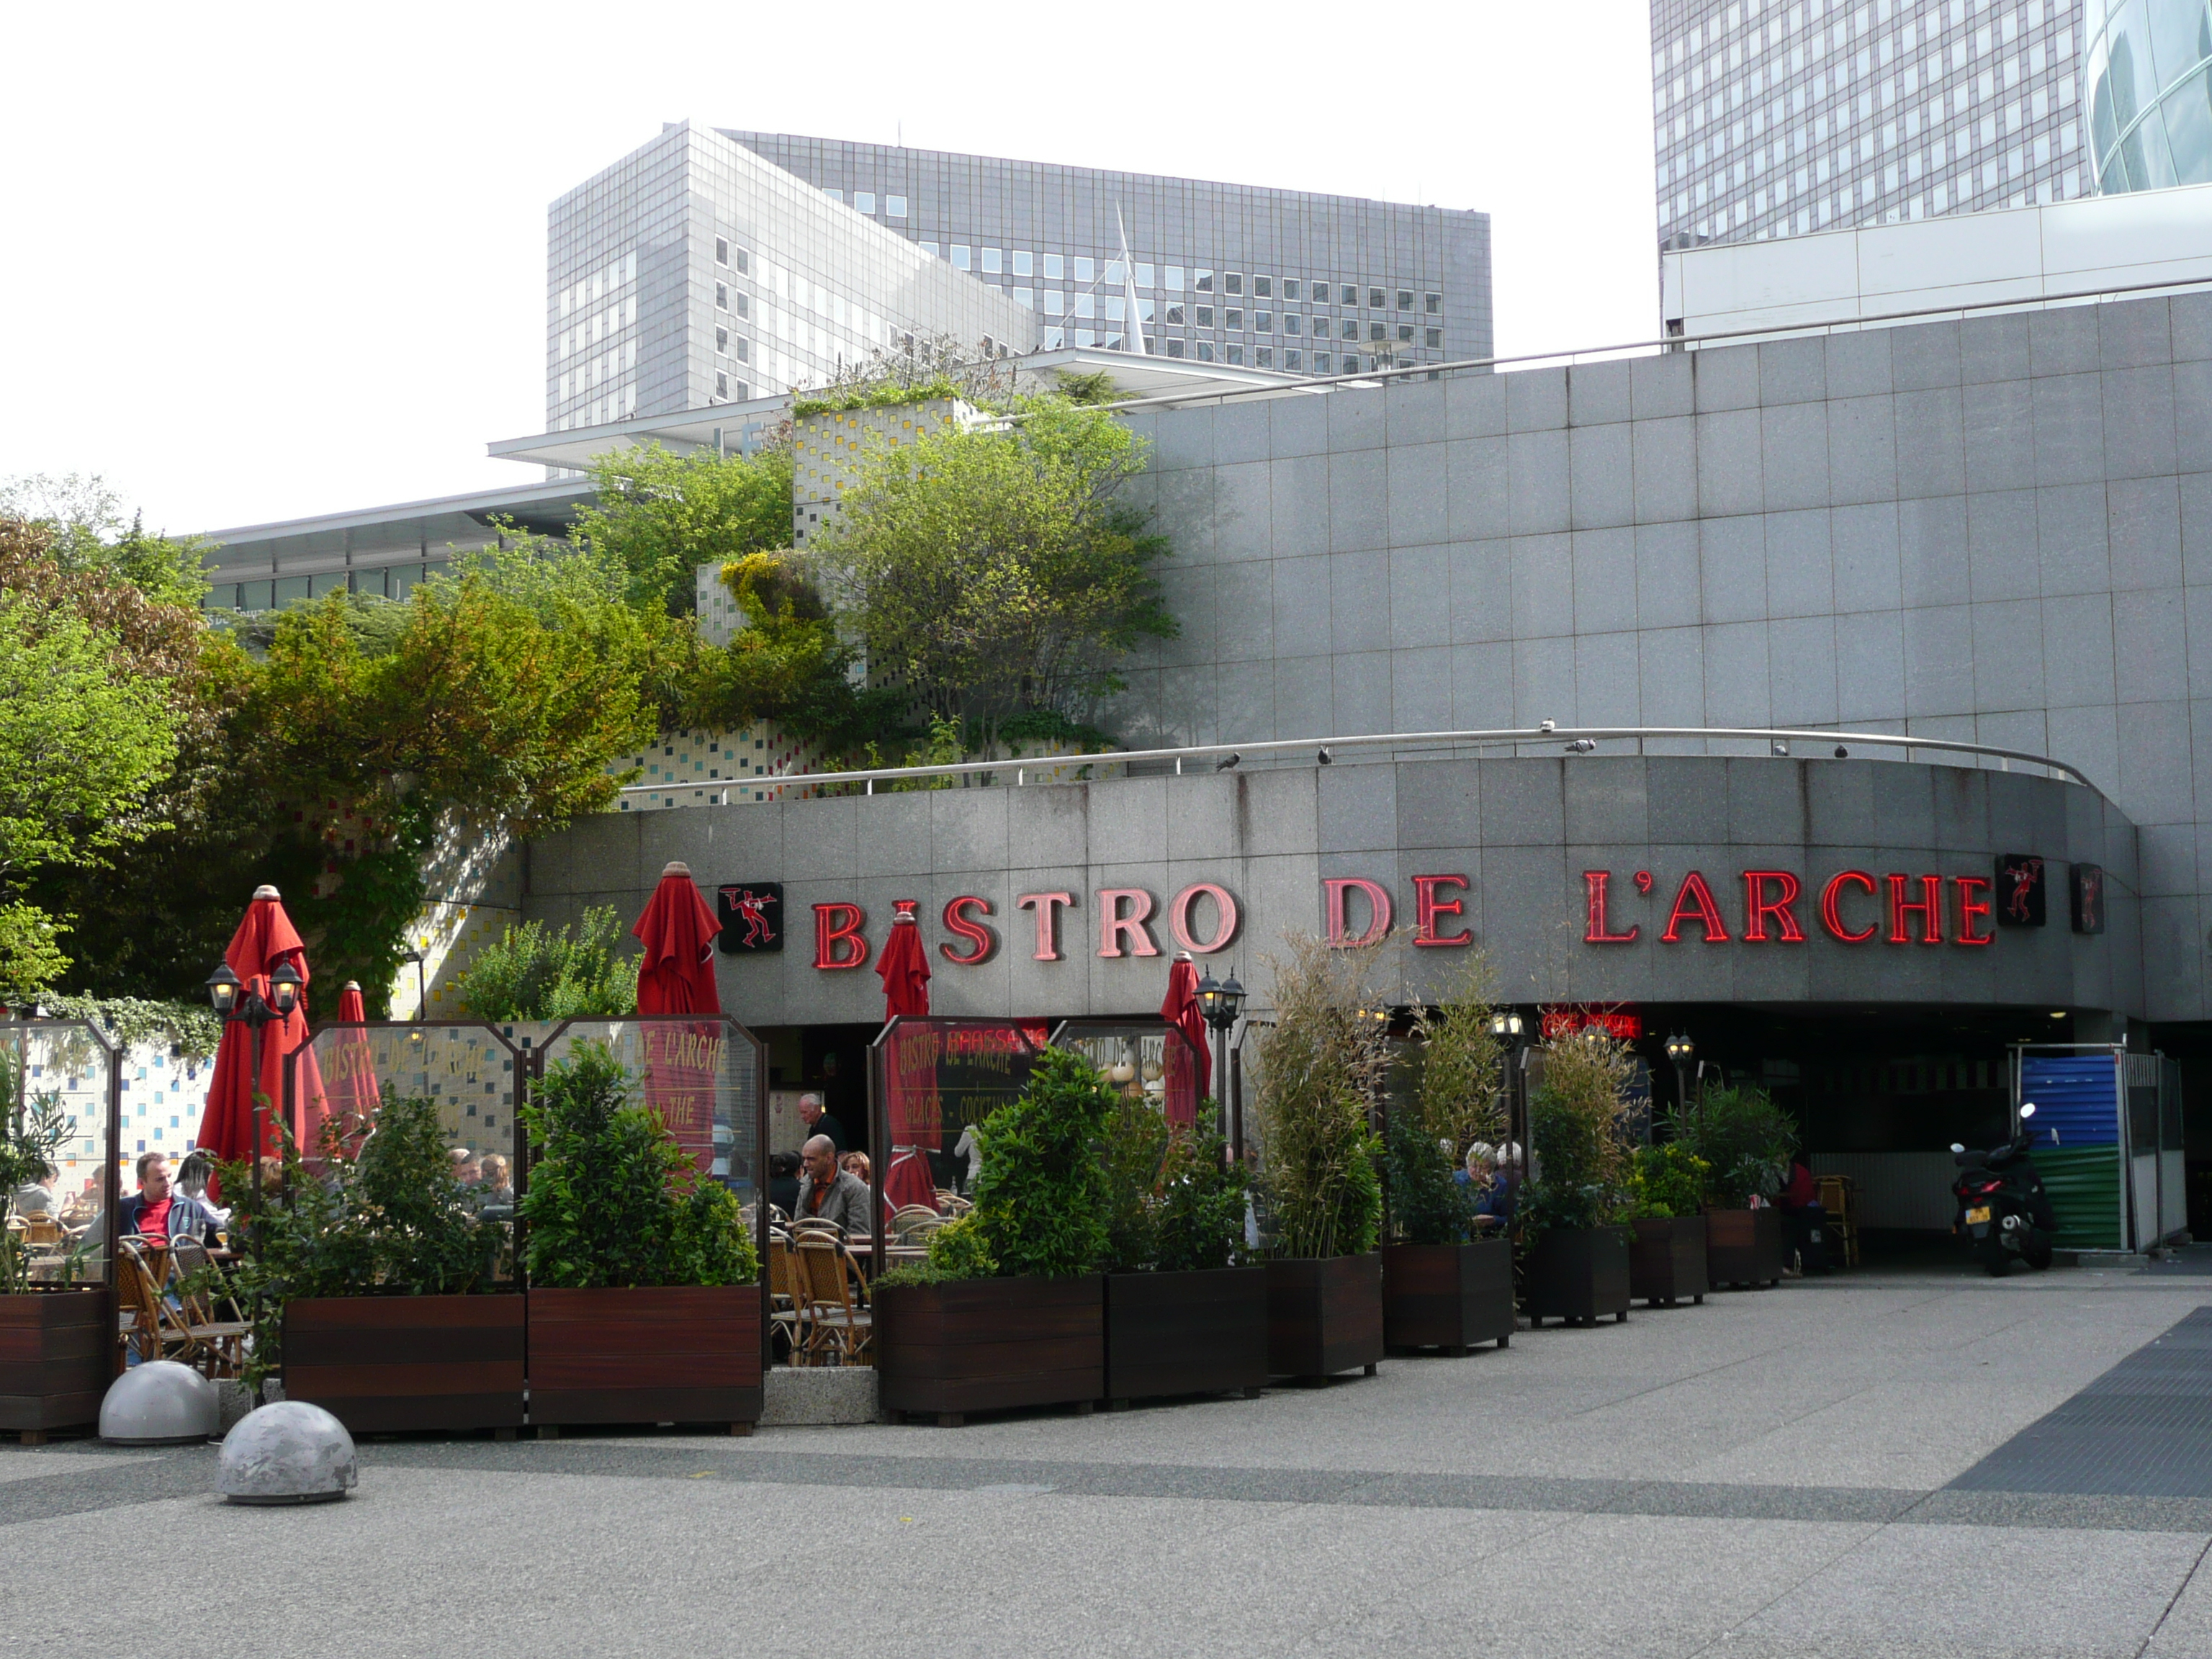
(2019, 890)
(2087, 898)
(751, 915)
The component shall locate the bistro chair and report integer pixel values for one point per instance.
(139, 1324)
(910, 1217)
(214, 1344)
(786, 1295)
(839, 1325)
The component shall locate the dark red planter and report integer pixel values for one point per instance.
(1191, 1333)
(1324, 1315)
(987, 1344)
(1447, 1296)
(671, 1353)
(1667, 1260)
(1579, 1274)
(56, 1356)
(1743, 1248)
(393, 1365)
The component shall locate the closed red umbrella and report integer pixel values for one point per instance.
(350, 1091)
(264, 940)
(677, 974)
(351, 1011)
(1188, 1071)
(909, 1105)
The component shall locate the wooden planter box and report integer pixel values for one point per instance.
(1667, 1260)
(1579, 1274)
(387, 1365)
(57, 1357)
(1192, 1333)
(988, 1344)
(1447, 1296)
(1324, 1315)
(671, 1353)
(1744, 1247)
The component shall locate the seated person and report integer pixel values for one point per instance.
(783, 1180)
(467, 1170)
(1481, 1159)
(1493, 1209)
(192, 1177)
(37, 1197)
(158, 1212)
(827, 1192)
(857, 1163)
(495, 1188)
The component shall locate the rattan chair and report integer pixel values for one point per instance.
(139, 1324)
(909, 1217)
(215, 1345)
(786, 1294)
(838, 1325)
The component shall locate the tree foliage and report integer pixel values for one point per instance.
(1746, 1140)
(789, 664)
(991, 573)
(659, 516)
(536, 973)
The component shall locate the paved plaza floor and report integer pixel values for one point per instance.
(1886, 1463)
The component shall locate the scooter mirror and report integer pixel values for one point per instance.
(2027, 1109)
(1957, 1147)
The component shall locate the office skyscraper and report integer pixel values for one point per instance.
(1234, 274)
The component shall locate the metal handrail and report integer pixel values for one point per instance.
(1325, 751)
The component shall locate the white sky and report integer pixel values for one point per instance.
(258, 262)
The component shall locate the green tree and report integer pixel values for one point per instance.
(533, 973)
(787, 664)
(659, 516)
(994, 571)
(83, 520)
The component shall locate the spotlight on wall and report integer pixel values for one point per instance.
(1227, 761)
(1842, 753)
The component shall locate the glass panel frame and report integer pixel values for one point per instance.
(1160, 1062)
(74, 1069)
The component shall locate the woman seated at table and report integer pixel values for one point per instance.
(157, 1213)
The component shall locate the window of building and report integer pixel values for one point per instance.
(1054, 338)
(1376, 299)
(721, 385)
(1055, 302)
(1352, 328)
(1232, 318)
(1174, 283)
(1086, 305)
(1378, 331)
(1292, 322)
(1113, 277)
(1056, 268)
(834, 195)
(1206, 351)
(721, 339)
(1348, 295)
(1263, 321)
(1206, 316)
(960, 256)
(1436, 338)
(1145, 274)
(992, 261)
(1202, 281)
(1117, 341)
(1321, 362)
(1264, 357)
(1085, 269)
(1233, 283)
(1116, 307)
(721, 297)
(865, 200)
(1236, 355)
(1263, 288)
(1406, 332)
(742, 266)
(1289, 287)
(1174, 316)
(721, 251)
(932, 249)
(745, 306)
(1024, 263)
(1175, 348)
(744, 353)
(895, 207)
(1291, 360)
(1405, 299)
(1086, 336)
(1025, 297)
(1433, 304)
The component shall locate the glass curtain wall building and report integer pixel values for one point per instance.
(1278, 279)
(693, 272)
(1776, 117)
(2150, 93)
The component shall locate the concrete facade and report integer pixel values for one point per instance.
(1997, 530)
(1523, 832)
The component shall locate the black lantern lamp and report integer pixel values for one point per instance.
(1680, 1050)
(284, 990)
(1505, 1025)
(223, 988)
(1220, 1002)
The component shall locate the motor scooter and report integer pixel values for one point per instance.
(2002, 1207)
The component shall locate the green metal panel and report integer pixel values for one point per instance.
(2084, 1184)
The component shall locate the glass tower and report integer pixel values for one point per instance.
(1775, 118)
(2150, 93)
(1278, 279)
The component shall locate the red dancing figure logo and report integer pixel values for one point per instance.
(2023, 876)
(752, 910)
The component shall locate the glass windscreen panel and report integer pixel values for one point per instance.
(1146, 1060)
(56, 1085)
(935, 1079)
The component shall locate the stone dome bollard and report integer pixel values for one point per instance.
(160, 1403)
(288, 1453)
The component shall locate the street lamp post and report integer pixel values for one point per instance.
(1506, 1027)
(235, 1001)
(1219, 1003)
(1680, 1050)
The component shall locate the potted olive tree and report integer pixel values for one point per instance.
(1667, 1256)
(56, 1333)
(1321, 1066)
(1183, 1314)
(645, 1302)
(1576, 1195)
(1445, 1285)
(1746, 1142)
(370, 1279)
(1009, 1311)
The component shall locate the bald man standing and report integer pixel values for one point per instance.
(827, 1192)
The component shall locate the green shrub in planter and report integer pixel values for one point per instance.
(1746, 1140)
(1175, 1202)
(1666, 1182)
(1320, 1067)
(1040, 1201)
(957, 1251)
(614, 1201)
(1577, 1135)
